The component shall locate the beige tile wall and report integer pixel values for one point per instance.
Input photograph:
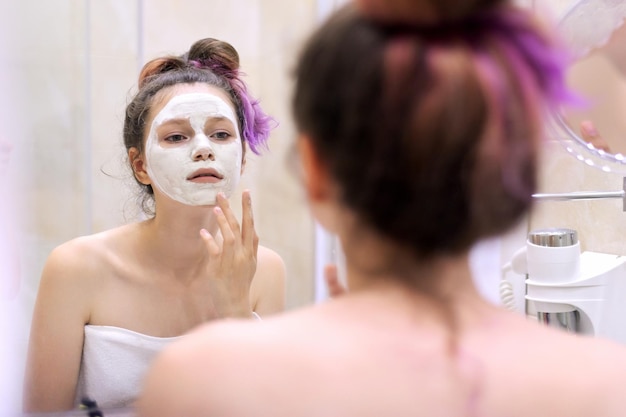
(600, 223)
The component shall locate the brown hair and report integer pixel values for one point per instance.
(429, 124)
(424, 12)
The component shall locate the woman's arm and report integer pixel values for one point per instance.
(57, 331)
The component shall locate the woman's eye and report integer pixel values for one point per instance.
(221, 135)
(175, 138)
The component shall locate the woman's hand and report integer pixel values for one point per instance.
(590, 135)
(331, 276)
(232, 264)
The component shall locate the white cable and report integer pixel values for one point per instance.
(507, 293)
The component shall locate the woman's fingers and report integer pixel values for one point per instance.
(590, 135)
(211, 244)
(335, 288)
(223, 203)
(239, 243)
(229, 239)
(248, 233)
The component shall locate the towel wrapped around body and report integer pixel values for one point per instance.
(114, 363)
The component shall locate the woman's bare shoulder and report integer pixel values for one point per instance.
(83, 256)
(269, 258)
(300, 332)
(192, 373)
(223, 357)
(526, 347)
(268, 287)
(593, 368)
(546, 367)
(270, 266)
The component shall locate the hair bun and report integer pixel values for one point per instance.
(215, 52)
(424, 12)
(159, 66)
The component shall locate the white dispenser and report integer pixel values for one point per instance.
(583, 293)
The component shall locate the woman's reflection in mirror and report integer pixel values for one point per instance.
(420, 124)
(108, 302)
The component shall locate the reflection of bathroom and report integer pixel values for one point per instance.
(586, 234)
(87, 58)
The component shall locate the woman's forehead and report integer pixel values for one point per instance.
(166, 95)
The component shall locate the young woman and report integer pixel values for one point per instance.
(108, 302)
(420, 122)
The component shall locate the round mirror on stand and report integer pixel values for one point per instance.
(595, 32)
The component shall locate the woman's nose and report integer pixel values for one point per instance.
(203, 150)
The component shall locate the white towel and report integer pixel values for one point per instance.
(114, 363)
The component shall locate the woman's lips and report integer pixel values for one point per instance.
(205, 176)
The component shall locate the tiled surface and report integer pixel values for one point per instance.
(600, 223)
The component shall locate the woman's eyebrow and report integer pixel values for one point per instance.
(169, 124)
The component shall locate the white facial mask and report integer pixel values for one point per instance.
(171, 166)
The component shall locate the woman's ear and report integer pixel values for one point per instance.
(321, 190)
(139, 167)
(315, 175)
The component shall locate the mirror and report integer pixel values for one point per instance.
(74, 63)
(596, 34)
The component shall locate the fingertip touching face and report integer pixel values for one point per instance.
(194, 148)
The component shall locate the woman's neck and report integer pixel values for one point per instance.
(375, 261)
(439, 291)
(172, 238)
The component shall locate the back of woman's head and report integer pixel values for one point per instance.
(428, 116)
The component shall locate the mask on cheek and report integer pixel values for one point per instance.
(176, 170)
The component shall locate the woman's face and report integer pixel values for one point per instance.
(193, 147)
